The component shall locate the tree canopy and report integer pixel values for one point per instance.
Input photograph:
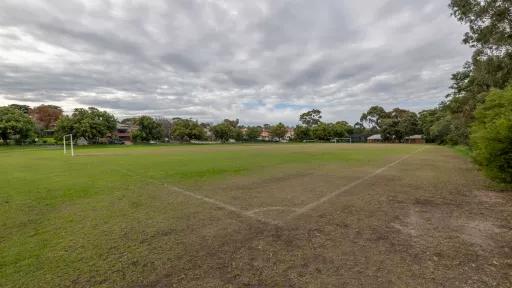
(187, 129)
(46, 116)
(311, 118)
(90, 123)
(491, 135)
(278, 131)
(14, 124)
(147, 129)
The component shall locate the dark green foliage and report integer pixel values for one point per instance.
(491, 135)
(394, 125)
(311, 118)
(489, 23)
(25, 109)
(91, 124)
(148, 130)
(278, 131)
(321, 132)
(252, 133)
(15, 124)
(187, 129)
(223, 131)
(302, 133)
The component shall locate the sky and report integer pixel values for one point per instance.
(262, 61)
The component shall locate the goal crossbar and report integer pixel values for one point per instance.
(342, 140)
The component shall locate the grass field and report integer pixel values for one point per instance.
(276, 215)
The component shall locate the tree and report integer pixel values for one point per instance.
(278, 131)
(490, 67)
(321, 131)
(25, 109)
(90, 124)
(358, 128)
(252, 133)
(373, 116)
(46, 116)
(426, 120)
(187, 129)
(490, 24)
(340, 129)
(302, 133)
(311, 118)
(15, 124)
(148, 130)
(223, 131)
(166, 125)
(491, 135)
(238, 134)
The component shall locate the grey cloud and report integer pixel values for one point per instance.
(204, 59)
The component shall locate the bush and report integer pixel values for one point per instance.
(491, 135)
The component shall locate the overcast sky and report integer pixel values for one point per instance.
(261, 61)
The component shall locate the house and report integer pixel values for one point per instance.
(414, 139)
(123, 132)
(290, 134)
(265, 135)
(377, 138)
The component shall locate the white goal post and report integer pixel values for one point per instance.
(342, 140)
(70, 141)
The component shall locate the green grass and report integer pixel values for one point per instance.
(97, 219)
(462, 150)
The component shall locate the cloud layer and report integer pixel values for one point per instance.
(260, 61)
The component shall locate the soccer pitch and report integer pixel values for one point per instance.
(262, 215)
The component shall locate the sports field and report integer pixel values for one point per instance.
(274, 215)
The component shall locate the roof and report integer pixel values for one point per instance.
(415, 137)
(375, 137)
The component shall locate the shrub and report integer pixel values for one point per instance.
(491, 135)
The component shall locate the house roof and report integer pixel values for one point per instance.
(375, 137)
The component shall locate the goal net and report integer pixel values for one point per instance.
(70, 141)
(342, 140)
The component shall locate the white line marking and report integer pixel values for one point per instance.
(206, 199)
(335, 193)
(252, 212)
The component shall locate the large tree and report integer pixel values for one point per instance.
(278, 131)
(491, 135)
(373, 116)
(490, 33)
(252, 133)
(46, 116)
(25, 109)
(90, 124)
(311, 118)
(15, 124)
(223, 131)
(489, 21)
(148, 130)
(187, 129)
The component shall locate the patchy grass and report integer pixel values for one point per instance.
(462, 150)
(111, 217)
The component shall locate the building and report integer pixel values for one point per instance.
(374, 139)
(290, 134)
(265, 135)
(124, 132)
(414, 139)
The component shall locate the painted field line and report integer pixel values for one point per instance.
(205, 199)
(312, 205)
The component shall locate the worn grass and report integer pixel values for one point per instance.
(105, 218)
